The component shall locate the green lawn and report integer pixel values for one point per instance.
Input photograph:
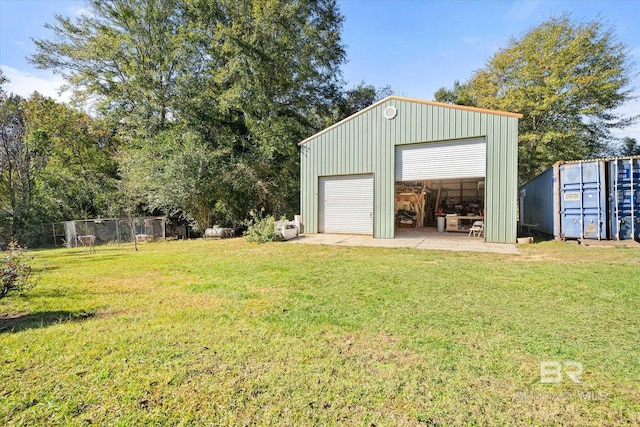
(231, 333)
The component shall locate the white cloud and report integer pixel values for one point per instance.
(24, 83)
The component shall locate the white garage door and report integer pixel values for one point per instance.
(442, 160)
(346, 204)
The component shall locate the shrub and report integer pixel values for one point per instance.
(17, 275)
(261, 229)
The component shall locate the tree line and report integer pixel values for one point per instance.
(569, 80)
(196, 107)
(196, 110)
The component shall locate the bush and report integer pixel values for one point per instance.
(260, 230)
(17, 275)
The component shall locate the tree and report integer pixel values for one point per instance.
(629, 147)
(55, 165)
(458, 95)
(17, 168)
(77, 174)
(356, 99)
(126, 55)
(567, 79)
(226, 87)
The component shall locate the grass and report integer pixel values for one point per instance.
(232, 333)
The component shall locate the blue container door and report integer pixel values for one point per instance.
(583, 203)
(624, 192)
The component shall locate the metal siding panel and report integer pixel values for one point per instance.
(423, 122)
(509, 186)
(500, 130)
(498, 194)
(490, 185)
(346, 204)
(303, 183)
(500, 165)
(512, 143)
(345, 158)
(339, 158)
(399, 125)
(537, 202)
(409, 133)
(428, 122)
(441, 160)
(416, 126)
(500, 189)
(447, 125)
(394, 129)
(433, 123)
(384, 167)
(480, 123)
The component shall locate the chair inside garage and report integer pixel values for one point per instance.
(477, 229)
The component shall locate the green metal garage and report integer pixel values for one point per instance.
(355, 174)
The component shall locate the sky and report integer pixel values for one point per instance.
(415, 46)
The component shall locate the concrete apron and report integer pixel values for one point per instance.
(416, 239)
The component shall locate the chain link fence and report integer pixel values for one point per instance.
(106, 230)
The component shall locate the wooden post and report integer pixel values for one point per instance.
(438, 199)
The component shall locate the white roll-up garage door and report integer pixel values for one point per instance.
(346, 204)
(441, 160)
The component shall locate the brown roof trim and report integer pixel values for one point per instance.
(458, 107)
(418, 101)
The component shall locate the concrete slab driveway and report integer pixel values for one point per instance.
(418, 239)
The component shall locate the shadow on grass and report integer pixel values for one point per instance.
(20, 322)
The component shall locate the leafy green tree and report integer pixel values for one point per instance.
(18, 166)
(3, 80)
(567, 79)
(281, 77)
(76, 178)
(629, 147)
(458, 95)
(219, 90)
(358, 98)
(126, 55)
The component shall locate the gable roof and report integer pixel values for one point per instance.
(417, 101)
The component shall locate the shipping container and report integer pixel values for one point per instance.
(583, 200)
(588, 199)
(537, 204)
(623, 198)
